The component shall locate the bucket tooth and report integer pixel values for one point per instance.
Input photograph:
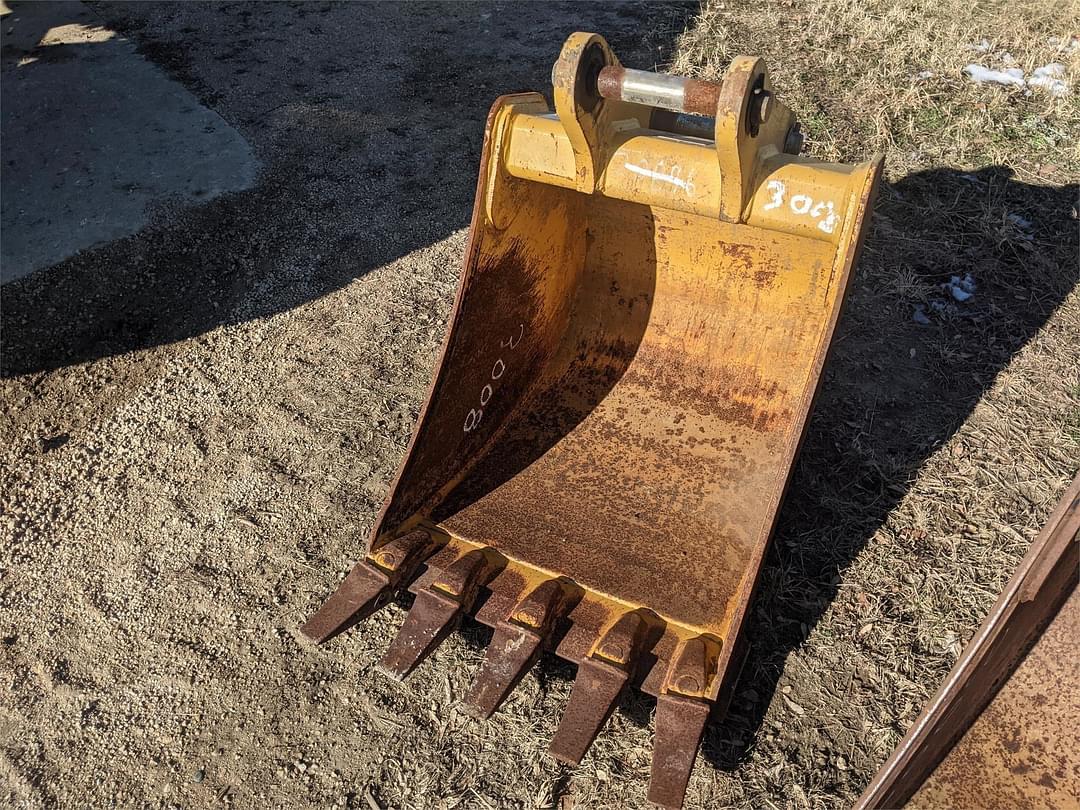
(681, 713)
(601, 679)
(515, 646)
(680, 725)
(438, 609)
(432, 617)
(513, 650)
(598, 687)
(369, 585)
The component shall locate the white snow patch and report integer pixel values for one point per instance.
(961, 289)
(1055, 70)
(1048, 77)
(984, 75)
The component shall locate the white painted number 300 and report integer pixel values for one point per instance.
(803, 205)
(473, 417)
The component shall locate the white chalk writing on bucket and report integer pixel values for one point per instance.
(803, 205)
(472, 419)
(665, 174)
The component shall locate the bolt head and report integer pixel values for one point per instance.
(764, 106)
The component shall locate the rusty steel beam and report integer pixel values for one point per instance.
(1004, 728)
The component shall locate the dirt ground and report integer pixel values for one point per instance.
(199, 422)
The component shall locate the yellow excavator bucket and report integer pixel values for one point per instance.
(650, 289)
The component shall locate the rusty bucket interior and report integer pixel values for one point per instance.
(650, 288)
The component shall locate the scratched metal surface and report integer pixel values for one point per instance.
(1024, 750)
(619, 401)
(644, 465)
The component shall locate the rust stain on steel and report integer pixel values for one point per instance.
(439, 608)
(670, 444)
(681, 713)
(699, 97)
(610, 81)
(1024, 750)
(602, 677)
(975, 746)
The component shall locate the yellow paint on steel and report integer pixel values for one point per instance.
(791, 194)
(639, 333)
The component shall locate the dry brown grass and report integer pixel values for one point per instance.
(851, 70)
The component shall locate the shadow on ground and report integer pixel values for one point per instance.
(370, 152)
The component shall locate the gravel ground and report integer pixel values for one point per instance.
(199, 424)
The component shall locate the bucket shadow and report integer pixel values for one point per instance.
(608, 317)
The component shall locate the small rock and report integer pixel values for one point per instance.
(199, 776)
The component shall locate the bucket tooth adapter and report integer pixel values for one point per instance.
(650, 288)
